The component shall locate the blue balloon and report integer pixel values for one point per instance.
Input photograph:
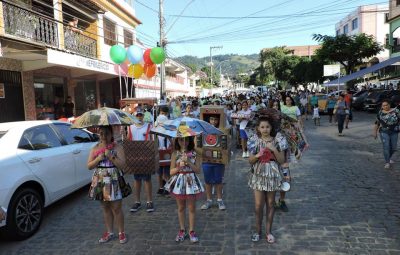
(135, 54)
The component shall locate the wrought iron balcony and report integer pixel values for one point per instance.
(27, 24)
(79, 43)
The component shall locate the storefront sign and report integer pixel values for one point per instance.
(66, 59)
(2, 91)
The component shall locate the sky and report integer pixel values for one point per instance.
(240, 26)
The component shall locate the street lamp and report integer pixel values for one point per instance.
(211, 63)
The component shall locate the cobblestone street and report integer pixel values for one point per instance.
(342, 202)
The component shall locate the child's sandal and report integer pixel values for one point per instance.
(270, 238)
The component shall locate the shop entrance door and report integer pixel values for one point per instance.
(11, 99)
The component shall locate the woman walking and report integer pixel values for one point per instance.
(387, 123)
(341, 110)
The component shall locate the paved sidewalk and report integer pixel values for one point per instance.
(342, 202)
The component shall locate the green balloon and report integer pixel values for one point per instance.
(118, 54)
(157, 55)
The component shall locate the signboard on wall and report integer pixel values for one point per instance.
(2, 91)
(331, 70)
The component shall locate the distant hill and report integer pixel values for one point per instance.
(233, 63)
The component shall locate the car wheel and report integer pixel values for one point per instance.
(25, 214)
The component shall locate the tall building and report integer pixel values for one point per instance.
(393, 20)
(368, 19)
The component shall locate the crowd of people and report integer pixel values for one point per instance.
(267, 150)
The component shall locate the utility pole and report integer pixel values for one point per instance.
(162, 45)
(211, 63)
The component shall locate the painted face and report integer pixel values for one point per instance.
(264, 127)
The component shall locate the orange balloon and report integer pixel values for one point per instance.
(150, 70)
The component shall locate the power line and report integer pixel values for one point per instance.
(146, 6)
(251, 27)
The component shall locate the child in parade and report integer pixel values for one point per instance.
(265, 177)
(243, 123)
(164, 143)
(107, 158)
(185, 185)
(213, 176)
(141, 132)
(316, 116)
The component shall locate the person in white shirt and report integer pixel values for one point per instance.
(242, 125)
(141, 132)
(164, 143)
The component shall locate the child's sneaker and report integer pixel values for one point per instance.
(107, 236)
(206, 205)
(149, 207)
(180, 237)
(193, 237)
(122, 238)
(255, 237)
(135, 207)
(221, 204)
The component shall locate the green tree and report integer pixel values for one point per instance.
(270, 63)
(348, 50)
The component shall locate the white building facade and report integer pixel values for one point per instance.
(368, 19)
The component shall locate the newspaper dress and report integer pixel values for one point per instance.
(105, 185)
(186, 184)
(265, 174)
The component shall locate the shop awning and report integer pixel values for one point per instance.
(363, 72)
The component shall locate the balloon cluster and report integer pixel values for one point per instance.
(140, 62)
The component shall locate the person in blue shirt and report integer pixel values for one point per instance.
(330, 107)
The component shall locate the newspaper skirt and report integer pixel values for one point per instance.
(265, 177)
(184, 185)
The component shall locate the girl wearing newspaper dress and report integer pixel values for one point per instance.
(107, 158)
(265, 177)
(185, 185)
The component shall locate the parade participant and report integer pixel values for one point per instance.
(242, 125)
(290, 109)
(330, 107)
(195, 111)
(316, 116)
(303, 107)
(265, 176)
(141, 132)
(348, 98)
(238, 108)
(185, 185)
(163, 144)
(213, 175)
(340, 111)
(313, 99)
(387, 123)
(177, 109)
(189, 111)
(107, 158)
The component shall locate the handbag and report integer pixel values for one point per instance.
(125, 187)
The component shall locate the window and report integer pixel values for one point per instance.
(346, 29)
(73, 135)
(109, 32)
(337, 32)
(128, 38)
(354, 24)
(39, 138)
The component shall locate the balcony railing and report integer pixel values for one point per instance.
(79, 43)
(29, 25)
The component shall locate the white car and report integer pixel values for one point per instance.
(40, 162)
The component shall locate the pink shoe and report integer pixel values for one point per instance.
(107, 236)
(122, 238)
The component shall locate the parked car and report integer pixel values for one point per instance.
(41, 162)
(373, 101)
(358, 99)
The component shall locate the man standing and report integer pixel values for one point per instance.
(69, 108)
(141, 132)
